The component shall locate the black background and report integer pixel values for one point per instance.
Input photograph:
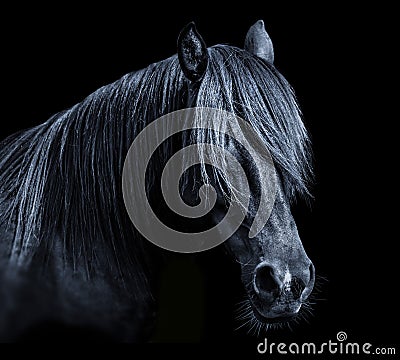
(52, 57)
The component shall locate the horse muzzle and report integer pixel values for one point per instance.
(277, 296)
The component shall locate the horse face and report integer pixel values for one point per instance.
(277, 274)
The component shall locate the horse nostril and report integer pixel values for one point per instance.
(308, 289)
(312, 273)
(297, 288)
(265, 280)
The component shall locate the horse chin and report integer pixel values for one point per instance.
(273, 318)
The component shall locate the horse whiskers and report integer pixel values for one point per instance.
(248, 263)
(247, 319)
(244, 315)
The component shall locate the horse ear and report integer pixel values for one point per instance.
(259, 43)
(192, 53)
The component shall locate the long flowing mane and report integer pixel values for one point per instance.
(62, 179)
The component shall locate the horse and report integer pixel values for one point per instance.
(69, 253)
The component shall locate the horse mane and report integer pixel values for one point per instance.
(62, 179)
